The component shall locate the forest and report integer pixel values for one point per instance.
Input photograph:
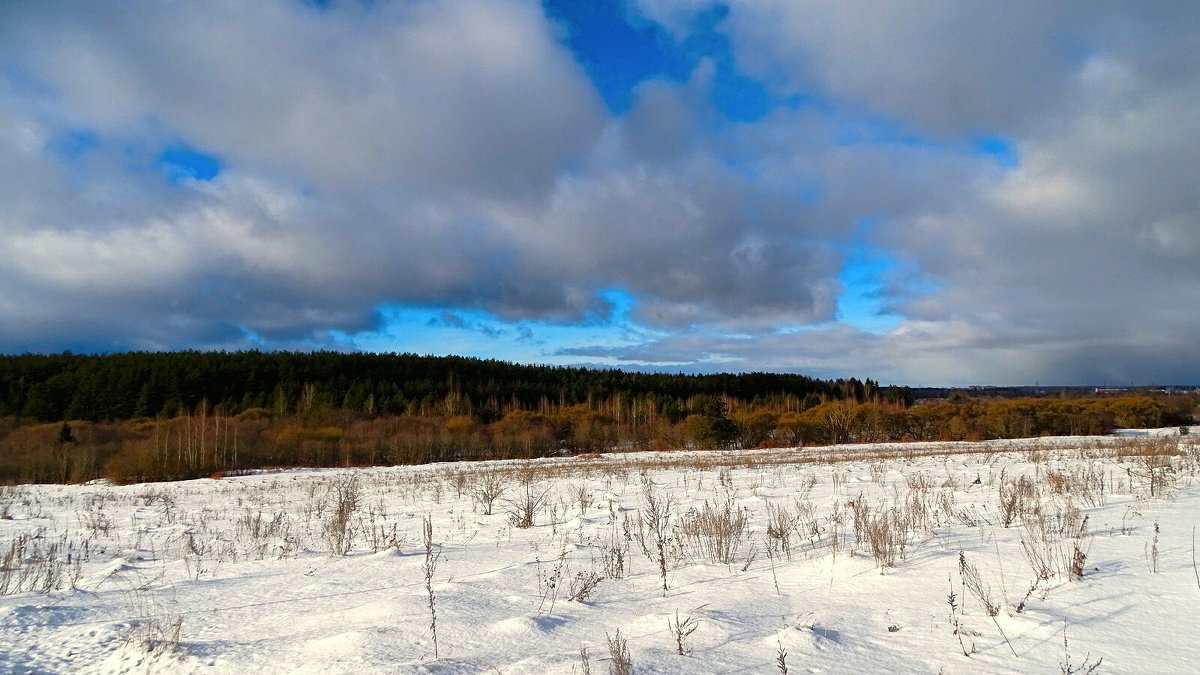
(143, 384)
(159, 416)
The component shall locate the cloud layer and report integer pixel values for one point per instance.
(1023, 177)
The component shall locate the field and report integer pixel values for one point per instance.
(1051, 555)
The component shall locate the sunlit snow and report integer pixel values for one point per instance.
(242, 574)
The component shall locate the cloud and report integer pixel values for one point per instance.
(434, 95)
(1072, 262)
(222, 175)
(358, 145)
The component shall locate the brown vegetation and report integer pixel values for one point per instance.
(204, 441)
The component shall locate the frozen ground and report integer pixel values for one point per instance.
(836, 560)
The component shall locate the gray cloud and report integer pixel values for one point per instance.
(360, 144)
(453, 154)
(432, 153)
(1074, 265)
(437, 96)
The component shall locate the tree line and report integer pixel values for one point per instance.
(132, 385)
(150, 416)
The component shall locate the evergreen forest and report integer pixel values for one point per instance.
(152, 416)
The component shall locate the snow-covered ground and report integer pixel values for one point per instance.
(855, 559)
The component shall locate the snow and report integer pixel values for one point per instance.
(237, 574)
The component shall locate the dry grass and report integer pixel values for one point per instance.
(32, 563)
(655, 517)
(618, 651)
(1015, 498)
(714, 533)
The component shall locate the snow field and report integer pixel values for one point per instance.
(821, 560)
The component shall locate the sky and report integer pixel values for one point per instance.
(939, 192)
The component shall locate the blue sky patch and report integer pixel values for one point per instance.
(181, 163)
(1000, 149)
(736, 95)
(861, 303)
(617, 51)
(427, 329)
(740, 98)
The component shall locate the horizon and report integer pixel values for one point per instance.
(888, 192)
